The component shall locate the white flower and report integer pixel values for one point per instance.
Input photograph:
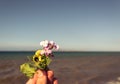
(44, 43)
(51, 42)
(49, 45)
(56, 47)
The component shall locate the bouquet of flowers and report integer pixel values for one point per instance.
(40, 60)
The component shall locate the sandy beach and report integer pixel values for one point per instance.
(78, 70)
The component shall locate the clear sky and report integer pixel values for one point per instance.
(80, 25)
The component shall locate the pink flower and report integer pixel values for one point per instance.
(49, 44)
(46, 52)
(47, 47)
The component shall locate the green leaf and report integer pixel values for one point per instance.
(45, 61)
(31, 67)
(48, 60)
(28, 69)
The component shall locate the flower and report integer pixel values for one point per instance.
(56, 47)
(49, 44)
(40, 60)
(46, 52)
(44, 43)
(37, 58)
(47, 47)
(38, 52)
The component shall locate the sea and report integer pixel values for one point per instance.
(79, 67)
(68, 54)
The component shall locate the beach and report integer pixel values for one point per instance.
(69, 70)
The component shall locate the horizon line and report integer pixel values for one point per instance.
(59, 51)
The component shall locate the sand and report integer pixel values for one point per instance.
(79, 70)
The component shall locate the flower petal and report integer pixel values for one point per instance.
(44, 43)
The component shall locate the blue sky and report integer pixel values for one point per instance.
(79, 25)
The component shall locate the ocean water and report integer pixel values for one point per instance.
(78, 67)
(24, 54)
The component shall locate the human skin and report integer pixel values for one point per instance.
(43, 77)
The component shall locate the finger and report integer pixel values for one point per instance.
(40, 73)
(50, 75)
(42, 78)
(33, 80)
(55, 81)
(30, 81)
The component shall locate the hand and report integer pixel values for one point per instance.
(43, 77)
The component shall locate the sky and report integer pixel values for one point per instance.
(75, 25)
